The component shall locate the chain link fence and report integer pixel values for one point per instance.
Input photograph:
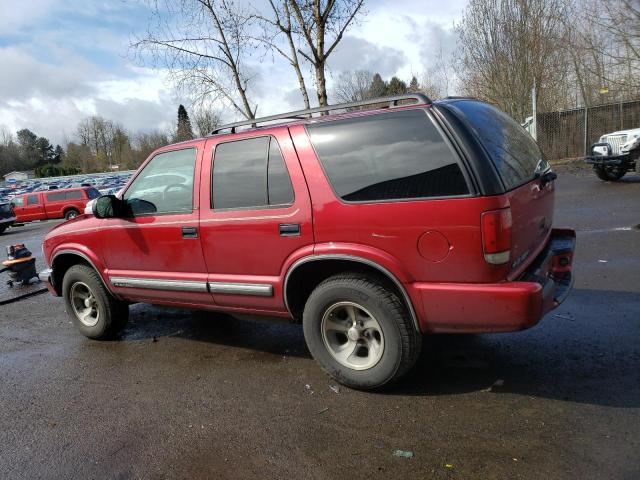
(570, 133)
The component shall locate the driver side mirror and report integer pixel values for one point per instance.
(107, 206)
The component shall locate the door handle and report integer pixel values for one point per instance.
(189, 232)
(289, 229)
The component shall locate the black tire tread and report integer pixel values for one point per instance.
(117, 312)
(608, 175)
(410, 337)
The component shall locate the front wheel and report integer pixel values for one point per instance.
(609, 174)
(93, 310)
(360, 332)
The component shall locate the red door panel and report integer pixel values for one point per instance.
(246, 249)
(157, 256)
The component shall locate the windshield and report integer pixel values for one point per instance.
(513, 151)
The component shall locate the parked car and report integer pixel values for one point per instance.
(47, 205)
(616, 154)
(370, 227)
(7, 217)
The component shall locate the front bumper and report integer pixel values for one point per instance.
(506, 306)
(46, 277)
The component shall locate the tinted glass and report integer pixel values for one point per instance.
(165, 185)
(74, 195)
(5, 208)
(55, 197)
(240, 174)
(92, 193)
(18, 201)
(32, 200)
(513, 151)
(279, 184)
(395, 155)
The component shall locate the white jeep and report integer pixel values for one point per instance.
(615, 154)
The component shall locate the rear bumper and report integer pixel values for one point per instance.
(507, 306)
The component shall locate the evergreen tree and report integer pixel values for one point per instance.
(396, 87)
(184, 131)
(44, 151)
(414, 86)
(378, 87)
(28, 148)
(58, 154)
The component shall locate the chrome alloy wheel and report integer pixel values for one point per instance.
(352, 335)
(84, 304)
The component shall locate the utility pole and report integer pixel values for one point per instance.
(534, 107)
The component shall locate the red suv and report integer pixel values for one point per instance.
(370, 227)
(66, 203)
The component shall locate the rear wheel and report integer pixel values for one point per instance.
(93, 310)
(360, 332)
(71, 213)
(3, 228)
(609, 174)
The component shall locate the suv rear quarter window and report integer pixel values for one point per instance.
(74, 195)
(388, 156)
(513, 152)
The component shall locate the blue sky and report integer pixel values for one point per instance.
(63, 60)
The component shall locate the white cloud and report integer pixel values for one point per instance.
(63, 60)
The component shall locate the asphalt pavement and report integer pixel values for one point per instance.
(198, 395)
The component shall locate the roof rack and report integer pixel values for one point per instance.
(302, 114)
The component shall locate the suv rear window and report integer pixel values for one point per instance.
(389, 156)
(513, 151)
(92, 193)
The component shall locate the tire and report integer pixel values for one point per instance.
(3, 228)
(107, 316)
(609, 174)
(71, 213)
(382, 352)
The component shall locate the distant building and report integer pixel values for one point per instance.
(19, 176)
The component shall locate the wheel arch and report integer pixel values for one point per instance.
(304, 275)
(64, 259)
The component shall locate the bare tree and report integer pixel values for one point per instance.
(203, 45)
(321, 26)
(280, 24)
(353, 86)
(206, 120)
(507, 46)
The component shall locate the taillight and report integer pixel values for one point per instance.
(496, 236)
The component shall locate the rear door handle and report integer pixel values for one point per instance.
(189, 232)
(289, 229)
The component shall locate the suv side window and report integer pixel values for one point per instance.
(165, 185)
(388, 156)
(55, 197)
(32, 200)
(250, 173)
(74, 195)
(18, 201)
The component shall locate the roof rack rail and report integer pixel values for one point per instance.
(301, 114)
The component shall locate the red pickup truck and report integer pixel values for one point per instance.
(67, 203)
